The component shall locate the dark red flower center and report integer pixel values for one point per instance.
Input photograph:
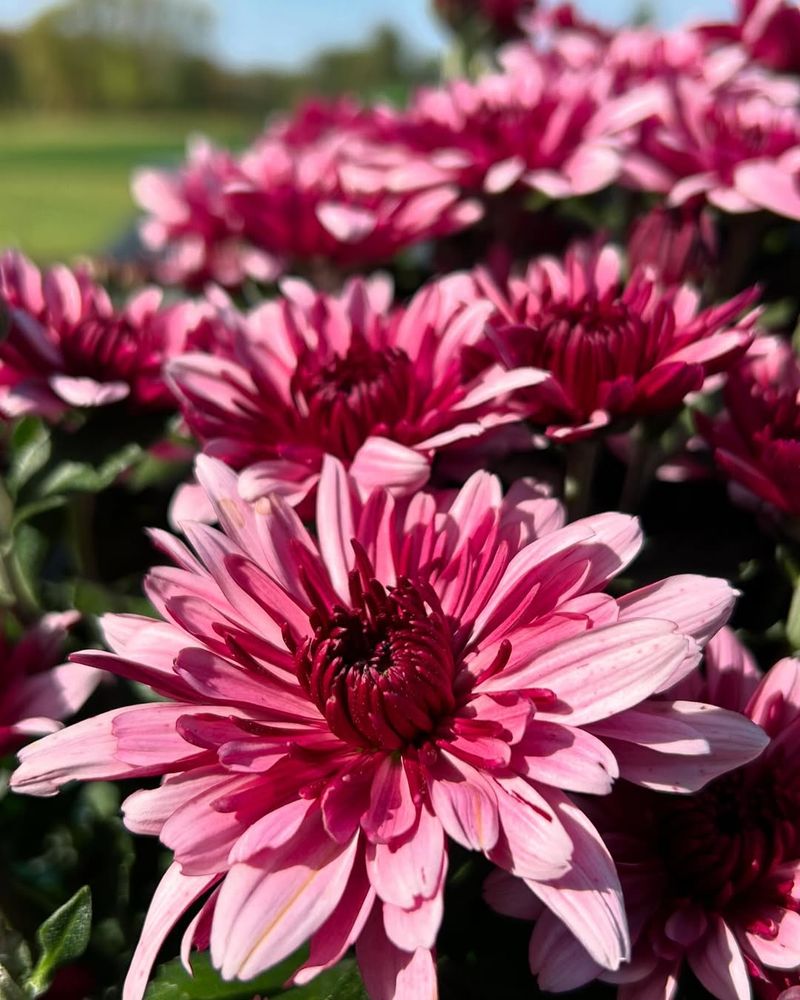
(721, 845)
(381, 670)
(346, 398)
(585, 344)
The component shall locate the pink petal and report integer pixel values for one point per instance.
(607, 670)
(698, 605)
(783, 950)
(465, 803)
(412, 870)
(86, 391)
(175, 894)
(588, 898)
(567, 758)
(389, 973)
(533, 843)
(414, 928)
(558, 959)
(383, 464)
(268, 909)
(392, 809)
(336, 520)
(718, 963)
(509, 895)
(769, 186)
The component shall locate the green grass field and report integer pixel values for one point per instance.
(64, 182)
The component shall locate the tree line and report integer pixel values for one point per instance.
(139, 55)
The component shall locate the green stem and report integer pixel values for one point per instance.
(582, 458)
(81, 518)
(642, 463)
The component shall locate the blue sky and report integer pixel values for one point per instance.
(285, 32)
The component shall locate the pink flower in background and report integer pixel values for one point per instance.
(756, 441)
(191, 229)
(616, 350)
(66, 345)
(330, 184)
(711, 879)
(335, 710)
(382, 387)
(677, 244)
(710, 138)
(36, 693)
(769, 30)
(539, 124)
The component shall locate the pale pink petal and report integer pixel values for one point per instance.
(383, 464)
(392, 810)
(567, 758)
(337, 510)
(718, 963)
(557, 959)
(413, 869)
(588, 898)
(174, 895)
(389, 973)
(87, 391)
(465, 803)
(414, 928)
(268, 908)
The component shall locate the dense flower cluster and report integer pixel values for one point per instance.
(407, 622)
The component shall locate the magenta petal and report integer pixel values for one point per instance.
(392, 810)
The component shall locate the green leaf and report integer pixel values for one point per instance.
(80, 477)
(15, 955)
(62, 938)
(173, 983)
(793, 621)
(36, 507)
(30, 452)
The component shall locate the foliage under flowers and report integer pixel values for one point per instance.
(412, 660)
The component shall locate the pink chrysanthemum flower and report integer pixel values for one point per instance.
(331, 186)
(616, 349)
(36, 690)
(336, 710)
(756, 441)
(676, 244)
(66, 345)
(539, 124)
(191, 229)
(709, 138)
(769, 30)
(381, 387)
(711, 879)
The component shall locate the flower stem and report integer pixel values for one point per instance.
(582, 458)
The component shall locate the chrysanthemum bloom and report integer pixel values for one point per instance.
(769, 30)
(382, 388)
(501, 17)
(66, 345)
(191, 228)
(329, 186)
(617, 350)
(710, 879)
(36, 693)
(539, 124)
(756, 441)
(337, 709)
(677, 244)
(708, 136)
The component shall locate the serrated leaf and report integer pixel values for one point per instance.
(62, 938)
(30, 451)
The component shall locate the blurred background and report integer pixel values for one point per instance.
(90, 89)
